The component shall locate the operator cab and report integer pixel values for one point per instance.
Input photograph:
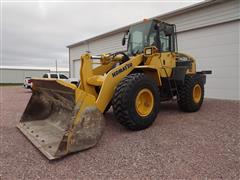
(150, 33)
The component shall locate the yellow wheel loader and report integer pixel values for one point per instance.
(62, 118)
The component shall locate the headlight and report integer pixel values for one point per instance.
(148, 51)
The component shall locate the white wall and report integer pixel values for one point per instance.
(76, 69)
(216, 48)
(224, 11)
(107, 45)
(18, 75)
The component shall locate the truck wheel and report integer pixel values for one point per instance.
(191, 94)
(136, 101)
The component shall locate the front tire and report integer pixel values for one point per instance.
(136, 101)
(191, 94)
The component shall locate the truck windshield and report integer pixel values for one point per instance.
(139, 37)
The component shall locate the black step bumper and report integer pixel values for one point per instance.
(202, 75)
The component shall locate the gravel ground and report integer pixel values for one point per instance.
(205, 144)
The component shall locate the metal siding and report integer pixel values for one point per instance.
(74, 54)
(217, 13)
(216, 48)
(76, 69)
(107, 45)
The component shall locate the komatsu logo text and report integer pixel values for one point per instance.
(124, 68)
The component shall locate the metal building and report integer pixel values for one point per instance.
(16, 74)
(208, 30)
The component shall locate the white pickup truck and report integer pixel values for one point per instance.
(28, 81)
(62, 77)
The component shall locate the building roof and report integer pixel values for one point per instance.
(162, 16)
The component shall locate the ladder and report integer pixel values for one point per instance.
(172, 85)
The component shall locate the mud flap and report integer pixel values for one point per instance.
(60, 119)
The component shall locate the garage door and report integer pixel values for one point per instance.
(76, 68)
(216, 48)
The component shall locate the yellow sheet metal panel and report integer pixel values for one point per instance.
(86, 72)
(151, 71)
(96, 80)
(113, 78)
(193, 68)
(83, 100)
(168, 62)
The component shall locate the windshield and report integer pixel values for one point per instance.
(139, 37)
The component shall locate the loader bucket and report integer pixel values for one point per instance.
(60, 118)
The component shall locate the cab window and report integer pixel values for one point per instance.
(45, 76)
(63, 76)
(153, 39)
(137, 43)
(54, 76)
(164, 41)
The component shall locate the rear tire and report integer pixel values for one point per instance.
(126, 109)
(191, 94)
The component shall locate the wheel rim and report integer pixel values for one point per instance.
(197, 93)
(144, 102)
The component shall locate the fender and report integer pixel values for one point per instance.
(112, 79)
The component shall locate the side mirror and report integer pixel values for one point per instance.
(124, 40)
